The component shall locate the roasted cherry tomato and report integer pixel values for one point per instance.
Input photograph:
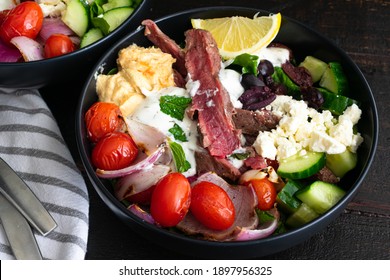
(266, 193)
(170, 199)
(116, 150)
(23, 20)
(58, 44)
(102, 118)
(212, 206)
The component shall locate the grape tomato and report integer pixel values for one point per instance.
(212, 206)
(58, 44)
(170, 199)
(265, 192)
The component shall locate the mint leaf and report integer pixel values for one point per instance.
(240, 156)
(178, 133)
(174, 106)
(182, 165)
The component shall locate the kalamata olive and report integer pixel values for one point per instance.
(249, 80)
(313, 97)
(265, 68)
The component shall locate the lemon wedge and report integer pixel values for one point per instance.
(237, 35)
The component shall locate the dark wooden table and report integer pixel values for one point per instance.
(362, 29)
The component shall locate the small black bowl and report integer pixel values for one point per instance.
(71, 67)
(303, 41)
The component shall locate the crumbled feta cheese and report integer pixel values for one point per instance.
(52, 8)
(303, 128)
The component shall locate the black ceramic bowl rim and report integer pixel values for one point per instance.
(226, 250)
(115, 35)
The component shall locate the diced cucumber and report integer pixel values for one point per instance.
(315, 66)
(303, 215)
(281, 77)
(76, 16)
(320, 196)
(112, 4)
(340, 164)
(334, 79)
(301, 165)
(335, 103)
(286, 199)
(112, 19)
(91, 36)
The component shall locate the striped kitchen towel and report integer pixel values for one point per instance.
(32, 144)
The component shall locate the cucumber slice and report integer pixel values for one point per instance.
(315, 66)
(340, 164)
(320, 196)
(300, 166)
(76, 16)
(280, 76)
(286, 199)
(335, 103)
(302, 216)
(334, 79)
(112, 19)
(112, 4)
(91, 36)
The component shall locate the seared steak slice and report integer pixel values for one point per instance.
(326, 175)
(166, 44)
(252, 122)
(222, 167)
(211, 100)
(244, 200)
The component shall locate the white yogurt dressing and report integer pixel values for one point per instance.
(149, 113)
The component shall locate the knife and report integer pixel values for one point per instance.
(18, 231)
(20, 195)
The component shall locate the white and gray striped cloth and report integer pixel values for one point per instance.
(32, 144)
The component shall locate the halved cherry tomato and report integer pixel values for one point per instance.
(102, 118)
(170, 199)
(23, 20)
(116, 150)
(266, 193)
(58, 44)
(212, 206)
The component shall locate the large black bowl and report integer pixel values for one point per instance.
(302, 41)
(71, 67)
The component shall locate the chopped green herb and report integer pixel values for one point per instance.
(178, 133)
(247, 62)
(240, 156)
(182, 165)
(174, 106)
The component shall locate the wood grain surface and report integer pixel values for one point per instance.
(362, 231)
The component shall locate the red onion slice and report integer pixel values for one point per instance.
(9, 54)
(144, 163)
(140, 213)
(264, 230)
(30, 49)
(52, 26)
(137, 182)
(144, 135)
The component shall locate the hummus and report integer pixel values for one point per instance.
(140, 71)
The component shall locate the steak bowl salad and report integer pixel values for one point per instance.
(223, 147)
